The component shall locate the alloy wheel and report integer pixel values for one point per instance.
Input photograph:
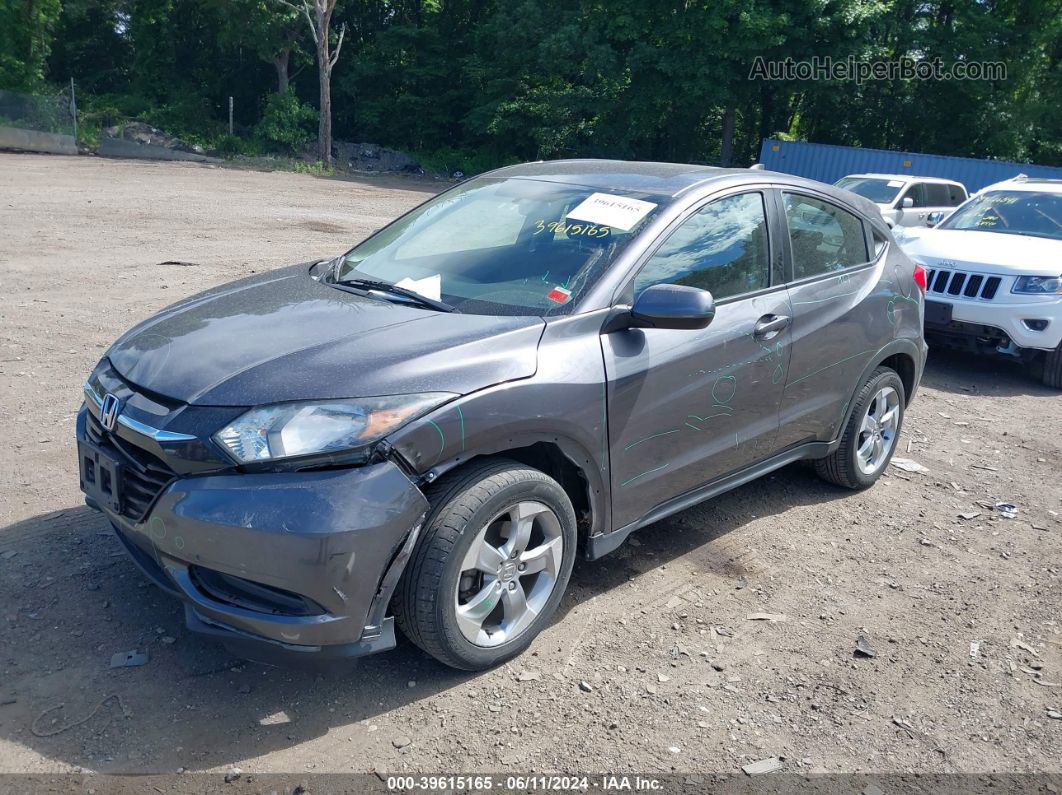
(508, 573)
(877, 433)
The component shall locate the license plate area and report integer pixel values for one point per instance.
(101, 476)
(938, 313)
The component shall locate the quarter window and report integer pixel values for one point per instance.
(722, 248)
(956, 195)
(824, 237)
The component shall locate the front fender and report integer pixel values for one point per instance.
(563, 404)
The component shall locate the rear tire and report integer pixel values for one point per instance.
(862, 456)
(1053, 368)
(491, 566)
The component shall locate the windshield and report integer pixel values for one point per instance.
(1018, 212)
(879, 191)
(503, 246)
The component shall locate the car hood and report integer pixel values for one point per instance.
(285, 336)
(988, 252)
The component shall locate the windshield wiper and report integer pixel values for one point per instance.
(394, 289)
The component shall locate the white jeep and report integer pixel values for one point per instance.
(994, 272)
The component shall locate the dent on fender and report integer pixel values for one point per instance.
(562, 404)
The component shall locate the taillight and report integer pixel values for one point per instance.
(920, 278)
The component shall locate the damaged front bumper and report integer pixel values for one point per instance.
(281, 567)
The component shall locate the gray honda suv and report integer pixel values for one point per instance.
(426, 430)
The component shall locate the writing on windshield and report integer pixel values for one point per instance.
(1011, 212)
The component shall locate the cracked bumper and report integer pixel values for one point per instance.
(282, 567)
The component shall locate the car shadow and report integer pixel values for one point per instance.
(71, 599)
(958, 372)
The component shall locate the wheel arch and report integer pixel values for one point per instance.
(559, 458)
(904, 365)
(900, 355)
(581, 472)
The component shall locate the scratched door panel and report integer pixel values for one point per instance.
(842, 314)
(838, 324)
(686, 407)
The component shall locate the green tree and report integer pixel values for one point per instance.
(473, 83)
(25, 41)
(91, 45)
(270, 30)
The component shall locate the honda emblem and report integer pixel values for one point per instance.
(109, 411)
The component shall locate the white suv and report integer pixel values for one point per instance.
(905, 200)
(994, 272)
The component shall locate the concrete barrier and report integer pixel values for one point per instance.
(34, 141)
(119, 147)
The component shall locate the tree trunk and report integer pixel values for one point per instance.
(746, 147)
(324, 126)
(280, 61)
(319, 14)
(767, 103)
(726, 153)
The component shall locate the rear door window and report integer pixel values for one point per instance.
(823, 237)
(937, 195)
(956, 195)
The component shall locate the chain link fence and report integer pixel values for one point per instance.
(38, 123)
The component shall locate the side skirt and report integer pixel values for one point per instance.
(604, 543)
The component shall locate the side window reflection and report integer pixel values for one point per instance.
(722, 248)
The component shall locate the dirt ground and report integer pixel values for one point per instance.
(652, 665)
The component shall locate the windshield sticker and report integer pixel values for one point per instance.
(561, 230)
(895, 183)
(559, 295)
(429, 287)
(608, 210)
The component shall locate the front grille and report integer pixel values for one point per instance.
(962, 285)
(144, 476)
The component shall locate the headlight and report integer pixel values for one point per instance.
(1037, 285)
(296, 429)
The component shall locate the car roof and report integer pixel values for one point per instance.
(672, 179)
(906, 178)
(1022, 182)
(664, 179)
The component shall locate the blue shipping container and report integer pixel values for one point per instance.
(828, 163)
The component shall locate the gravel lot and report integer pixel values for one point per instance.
(652, 665)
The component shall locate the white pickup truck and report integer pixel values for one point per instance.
(994, 272)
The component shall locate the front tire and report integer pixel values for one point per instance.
(491, 567)
(871, 434)
(1053, 368)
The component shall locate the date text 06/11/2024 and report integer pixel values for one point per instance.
(518, 783)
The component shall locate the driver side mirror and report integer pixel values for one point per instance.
(672, 306)
(934, 218)
(907, 202)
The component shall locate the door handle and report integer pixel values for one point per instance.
(770, 326)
